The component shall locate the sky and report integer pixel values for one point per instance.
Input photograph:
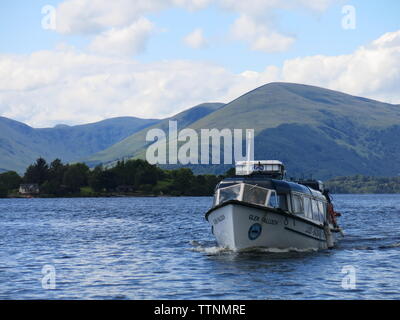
(80, 61)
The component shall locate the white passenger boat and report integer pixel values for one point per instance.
(259, 209)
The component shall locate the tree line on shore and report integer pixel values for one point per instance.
(138, 177)
(126, 177)
(364, 184)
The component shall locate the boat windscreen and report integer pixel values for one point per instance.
(247, 193)
(229, 193)
(254, 194)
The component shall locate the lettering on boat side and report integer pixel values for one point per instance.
(264, 219)
(219, 219)
(269, 221)
(254, 218)
(314, 232)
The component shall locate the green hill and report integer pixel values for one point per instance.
(20, 144)
(315, 131)
(136, 143)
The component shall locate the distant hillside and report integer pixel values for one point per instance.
(21, 144)
(362, 184)
(135, 143)
(315, 131)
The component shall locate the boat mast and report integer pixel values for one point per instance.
(249, 146)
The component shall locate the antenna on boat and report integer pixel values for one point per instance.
(249, 146)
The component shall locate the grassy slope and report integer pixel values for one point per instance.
(277, 103)
(135, 143)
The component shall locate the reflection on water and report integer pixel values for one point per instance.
(162, 248)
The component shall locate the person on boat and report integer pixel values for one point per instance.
(332, 214)
(327, 195)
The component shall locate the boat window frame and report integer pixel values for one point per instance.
(241, 194)
(286, 201)
(321, 205)
(253, 186)
(269, 197)
(310, 198)
(216, 203)
(320, 215)
(300, 196)
(314, 205)
(310, 211)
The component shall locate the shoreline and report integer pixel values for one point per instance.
(97, 196)
(145, 196)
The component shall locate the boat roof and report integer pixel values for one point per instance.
(243, 163)
(281, 186)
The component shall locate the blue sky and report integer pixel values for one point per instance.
(140, 45)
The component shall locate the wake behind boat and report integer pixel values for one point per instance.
(259, 209)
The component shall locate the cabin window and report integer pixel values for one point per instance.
(307, 208)
(283, 202)
(315, 210)
(254, 194)
(321, 208)
(273, 200)
(272, 167)
(229, 193)
(297, 206)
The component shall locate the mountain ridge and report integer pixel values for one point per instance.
(315, 131)
(184, 118)
(21, 144)
(339, 134)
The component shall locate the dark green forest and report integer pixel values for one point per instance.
(132, 177)
(139, 178)
(364, 184)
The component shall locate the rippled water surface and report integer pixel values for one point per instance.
(162, 248)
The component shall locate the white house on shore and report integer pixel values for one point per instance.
(29, 188)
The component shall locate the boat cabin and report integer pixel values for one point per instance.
(258, 188)
(271, 168)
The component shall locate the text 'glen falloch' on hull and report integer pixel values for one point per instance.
(258, 208)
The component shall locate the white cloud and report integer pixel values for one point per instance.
(111, 17)
(47, 87)
(255, 24)
(192, 4)
(124, 41)
(260, 7)
(317, 5)
(388, 40)
(372, 71)
(196, 39)
(94, 16)
(259, 36)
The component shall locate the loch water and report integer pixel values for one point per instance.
(163, 248)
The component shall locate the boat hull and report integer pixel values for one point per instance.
(238, 226)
